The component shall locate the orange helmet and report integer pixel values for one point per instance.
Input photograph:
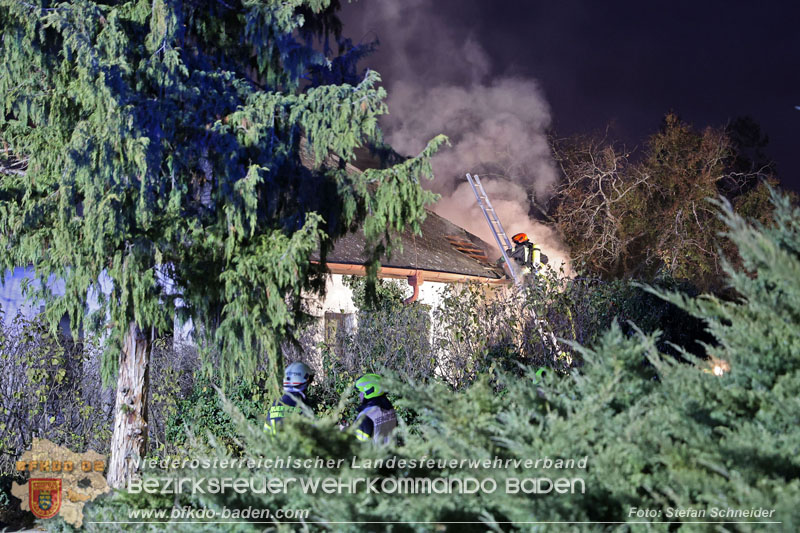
(519, 238)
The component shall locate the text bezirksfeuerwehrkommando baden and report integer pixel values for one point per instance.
(335, 485)
(308, 482)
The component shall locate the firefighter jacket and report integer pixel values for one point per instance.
(376, 420)
(523, 254)
(528, 256)
(287, 405)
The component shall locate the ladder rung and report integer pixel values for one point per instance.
(491, 217)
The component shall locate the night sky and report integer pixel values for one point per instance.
(623, 64)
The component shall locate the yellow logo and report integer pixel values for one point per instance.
(62, 481)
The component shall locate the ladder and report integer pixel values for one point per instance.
(494, 223)
(549, 341)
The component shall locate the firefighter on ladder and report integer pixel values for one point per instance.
(528, 255)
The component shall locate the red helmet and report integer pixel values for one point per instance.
(520, 238)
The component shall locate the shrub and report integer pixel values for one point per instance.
(49, 390)
(595, 305)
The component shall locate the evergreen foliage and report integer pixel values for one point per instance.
(595, 305)
(657, 433)
(168, 157)
(172, 150)
(388, 294)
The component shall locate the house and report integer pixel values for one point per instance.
(441, 254)
(13, 302)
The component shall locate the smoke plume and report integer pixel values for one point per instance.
(439, 80)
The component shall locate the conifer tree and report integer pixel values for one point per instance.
(151, 159)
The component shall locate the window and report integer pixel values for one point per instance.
(336, 326)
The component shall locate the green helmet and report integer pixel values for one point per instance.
(370, 385)
(297, 376)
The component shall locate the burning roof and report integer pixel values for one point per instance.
(442, 250)
(441, 247)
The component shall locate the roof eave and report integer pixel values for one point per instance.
(404, 273)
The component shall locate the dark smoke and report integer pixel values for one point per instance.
(437, 76)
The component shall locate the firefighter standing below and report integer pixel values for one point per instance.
(528, 255)
(296, 379)
(376, 418)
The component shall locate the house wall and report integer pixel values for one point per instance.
(11, 299)
(337, 304)
(14, 303)
(339, 298)
(335, 311)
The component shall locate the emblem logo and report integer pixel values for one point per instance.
(45, 497)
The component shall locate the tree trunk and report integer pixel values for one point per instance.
(129, 440)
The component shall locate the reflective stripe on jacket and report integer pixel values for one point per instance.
(376, 420)
(283, 407)
(528, 255)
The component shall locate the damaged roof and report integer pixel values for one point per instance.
(441, 247)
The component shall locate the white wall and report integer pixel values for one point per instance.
(339, 298)
(12, 301)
